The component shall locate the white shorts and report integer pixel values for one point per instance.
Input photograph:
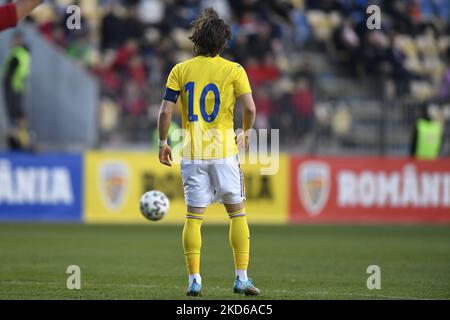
(209, 181)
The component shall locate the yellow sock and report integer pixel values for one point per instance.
(240, 239)
(192, 242)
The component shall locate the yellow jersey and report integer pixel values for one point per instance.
(208, 88)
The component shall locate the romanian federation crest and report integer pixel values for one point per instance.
(314, 186)
(113, 183)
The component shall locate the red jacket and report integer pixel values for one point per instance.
(8, 16)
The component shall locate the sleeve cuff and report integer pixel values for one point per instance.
(243, 92)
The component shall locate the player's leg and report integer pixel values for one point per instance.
(239, 236)
(228, 181)
(240, 243)
(192, 244)
(198, 195)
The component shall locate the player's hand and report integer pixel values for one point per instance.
(165, 155)
(242, 140)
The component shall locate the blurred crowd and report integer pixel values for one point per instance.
(131, 46)
(413, 43)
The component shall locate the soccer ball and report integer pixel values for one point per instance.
(154, 205)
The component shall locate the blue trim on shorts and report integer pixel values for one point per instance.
(240, 175)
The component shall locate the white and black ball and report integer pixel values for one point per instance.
(154, 205)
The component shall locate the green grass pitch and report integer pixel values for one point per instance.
(287, 262)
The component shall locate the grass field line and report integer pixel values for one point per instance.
(280, 291)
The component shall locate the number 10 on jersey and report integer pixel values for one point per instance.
(189, 88)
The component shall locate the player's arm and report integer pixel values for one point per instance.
(164, 120)
(165, 115)
(248, 118)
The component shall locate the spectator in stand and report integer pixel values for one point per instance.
(125, 54)
(137, 72)
(133, 27)
(374, 52)
(238, 44)
(58, 37)
(78, 49)
(262, 73)
(444, 90)
(396, 60)
(12, 13)
(350, 40)
(302, 102)
(324, 5)
(397, 11)
(109, 78)
(302, 31)
(133, 101)
(51, 28)
(185, 12)
(262, 100)
(151, 12)
(260, 42)
(112, 31)
(347, 43)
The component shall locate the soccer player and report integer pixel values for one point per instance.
(12, 13)
(207, 87)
